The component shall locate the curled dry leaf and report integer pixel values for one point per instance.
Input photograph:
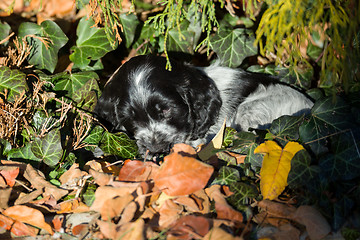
(181, 173)
(72, 206)
(275, 209)
(4, 197)
(132, 230)
(113, 207)
(56, 192)
(223, 209)
(316, 225)
(128, 213)
(72, 175)
(190, 227)
(169, 212)
(104, 193)
(102, 166)
(101, 178)
(107, 228)
(136, 171)
(25, 198)
(20, 229)
(28, 215)
(9, 173)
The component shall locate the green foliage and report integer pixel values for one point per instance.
(45, 39)
(92, 44)
(12, 80)
(4, 31)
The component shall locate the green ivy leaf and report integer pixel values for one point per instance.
(245, 143)
(48, 149)
(89, 194)
(91, 45)
(301, 172)
(227, 176)
(13, 80)
(43, 56)
(5, 147)
(344, 161)
(286, 128)
(4, 31)
(129, 22)
(243, 193)
(23, 153)
(233, 46)
(72, 83)
(118, 144)
(95, 136)
(87, 95)
(229, 136)
(328, 116)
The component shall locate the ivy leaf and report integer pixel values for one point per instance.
(328, 116)
(301, 172)
(94, 136)
(245, 143)
(129, 22)
(72, 83)
(227, 176)
(118, 144)
(275, 167)
(13, 80)
(233, 46)
(44, 53)
(243, 193)
(87, 95)
(286, 128)
(89, 194)
(344, 161)
(4, 31)
(91, 45)
(48, 149)
(23, 153)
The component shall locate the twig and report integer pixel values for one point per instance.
(7, 38)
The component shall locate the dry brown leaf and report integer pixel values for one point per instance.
(9, 173)
(28, 215)
(208, 151)
(21, 229)
(275, 209)
(4, 197)
(56, 192)
(107, 228)
(101, 178)
(142, 195)
(104, 193)
(80, 229)
(190, 227)
(134, 231)
(316, 225)
(50, 8)
(5, 5)
(25, 198)
(218, 233)
(113, 207)
(20, 165)
(2, 182)
(192, 204)
(102, 166)
(6, 222)
(72, 206)
(34, 177)
(169, 212)
(72, 175)
(287, 232)
(181, 173)
(128, 213)
(57, 222)
(223, 209)
(136, 171)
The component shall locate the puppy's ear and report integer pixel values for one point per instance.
(203, 100)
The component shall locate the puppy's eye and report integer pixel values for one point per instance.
(163, 111)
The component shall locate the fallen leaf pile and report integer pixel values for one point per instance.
(141, 200)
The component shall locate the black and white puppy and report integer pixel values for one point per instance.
(189, 104)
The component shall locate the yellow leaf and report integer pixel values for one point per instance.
(275, 167)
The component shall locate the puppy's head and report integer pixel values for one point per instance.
(159, 107)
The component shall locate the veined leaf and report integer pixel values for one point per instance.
(233, 46)
(92, 44)
(87, 95)
(13, 80)
(118, 144)
(286, 128)
(227, 176)
(245, 143)
(328, 116)
(129, 22)
(276, 167)
(45, 39)
(4, 31)
(48, 149)
(23, 153)
(243, 193)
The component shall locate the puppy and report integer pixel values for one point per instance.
(189, 104)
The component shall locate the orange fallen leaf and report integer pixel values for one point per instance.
(132, 230)
(10, 174)
(219, 233)
(275, 167)
(4, 197)
(6, 222)
(181, 173)
(80, 229)
(72, 175)
(113, 207)
(190, 227)
(101, 178)
(169, 212)
(128, 213)
(72, 206)
(21, 229)
(105, 193)
(107, 228)
(57, 222)
(276, 209)
(28, 215)
(136, 171)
